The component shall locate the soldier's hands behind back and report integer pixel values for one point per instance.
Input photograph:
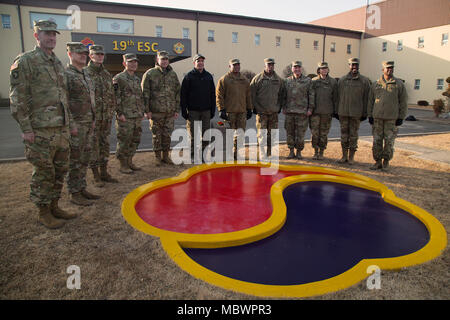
(249, 114)
(223, 115)
(28, 137)
(370, 120)
(398, 122)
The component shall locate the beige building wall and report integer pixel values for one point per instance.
(428, 64)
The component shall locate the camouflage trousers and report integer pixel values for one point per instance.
(49, 156)
(296, 125)
(162, 126)
(80, 153)
(237, 120)
(266, 121)
(128, 137)
(384, 133)
(320, 125)
(349, 132)
(100, 143)
(203, 117)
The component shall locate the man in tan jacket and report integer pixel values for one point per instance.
(353, 91)
(386, 109)
(233, 99)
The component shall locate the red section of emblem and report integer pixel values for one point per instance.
(87, 41)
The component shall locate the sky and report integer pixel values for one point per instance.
(302, 11)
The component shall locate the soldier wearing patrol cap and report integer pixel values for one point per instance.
(38, 101)
(353, 91)
(80, 90)
(130, 111)
(105, 104)
(387, 107)
(198, 101)
(298, 105)
(161, 90)
(267, 90)
(233, 98)
(326, 96)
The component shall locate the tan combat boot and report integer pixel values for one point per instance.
(377, 165)
(291, 154)
(299, 154)
(385, 163)
(158, 161)
(131, 164)
(344, 158)
(105, 176)
(351, 157)
(57, 212)
(124, 168)
(47, 219)
(320, 156)
(166, 158)
(316, 154)
(78, 199)
(97, 180)
(88, 195)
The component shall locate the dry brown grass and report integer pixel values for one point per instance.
(118, 262)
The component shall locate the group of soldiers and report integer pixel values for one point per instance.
(66, 114)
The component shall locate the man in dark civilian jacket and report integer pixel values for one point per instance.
(198, 100)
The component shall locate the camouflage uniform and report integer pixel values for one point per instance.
(105, 104)
(298, 102)
(161, 90)
(130, 103)
(267, 94)
(38, 100)
(325, 106)
(81, 103)
(387, 104)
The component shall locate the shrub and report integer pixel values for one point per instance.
(248, 74)
(438, 106)
(423, 103)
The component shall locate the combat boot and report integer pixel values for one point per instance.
(47, 219)
(344, 158)
(351, 157)
(320, 156)
(299, 154)
(291, 154)
(385, 163)
(124, 168)
(166, 158)
(131, 164)
(57, 212)
(97, 180)
(88, 195)
(377, 165)
(316, 154)
(78, 199)
(105, 176)
(158, 161)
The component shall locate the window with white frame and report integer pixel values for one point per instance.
(211, 35)
(297, 43)
(186, 33)
(333, 47)
(420, 42)
(159, 31)
(257, 39)
(316, 45)
(113, 25)
(384, 46)
(444, 40)
(234, 37)
(277, 41)
(399, 45)
(6, 21)
(59, 19)
(440, 84)
(349, 48)
(416, 84)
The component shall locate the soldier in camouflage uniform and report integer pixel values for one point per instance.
(326, 96)
(130, 110)
(161, 90)
(267, 90)
(105, 104)
(80, 92)
(386, 110)
(353, 91)
(233, 99)
(298, 105)
(38, 101)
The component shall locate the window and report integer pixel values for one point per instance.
(297, 43)
(417, 84)
(420, 42)
(349, 48)
(114, 25)
(384, 47)
(159, 31)
(444, 39)
(234, 37)
(211, 35)
(316, 45)
(59, 19)
(333, 47)
(185, 33)
(257, 39)
(399, 45)
(6, 21)
(277, 41)
(440, 84)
